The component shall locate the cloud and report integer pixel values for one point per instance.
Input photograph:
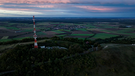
(107, 8)
(16, 12)
(27, 5)
(35, 1)
(96, 8)
(69, 1)
(45, 6)
(65, 7)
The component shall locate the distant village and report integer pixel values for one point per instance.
(68, 27)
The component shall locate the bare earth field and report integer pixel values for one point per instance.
(78, 36)
(81, 32)
(112, 29)
(7, 32)
(50, 33)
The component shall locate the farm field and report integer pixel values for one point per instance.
(103, 35)
(93, 30)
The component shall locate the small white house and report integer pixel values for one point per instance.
(128, 26)
(42, 46)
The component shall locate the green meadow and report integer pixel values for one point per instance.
(103, 35)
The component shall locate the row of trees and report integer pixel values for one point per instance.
(23, 40)
(118, 39)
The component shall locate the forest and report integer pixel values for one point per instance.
(27, 61)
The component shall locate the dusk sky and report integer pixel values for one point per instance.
(67, 8)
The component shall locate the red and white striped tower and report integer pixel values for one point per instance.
(35, 36)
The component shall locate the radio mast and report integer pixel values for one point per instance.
(35, 36)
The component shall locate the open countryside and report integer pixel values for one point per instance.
(92, 30)
(67, 47)
(67, 37)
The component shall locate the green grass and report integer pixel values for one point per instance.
(104, 35)
(13, 28)
(82, 29)
(20, 38)
(68, 30)
(106, 26)
(81, 34)
(90, 26)
(81, 38)
(2, 27)
(4, 37)
(108, 31)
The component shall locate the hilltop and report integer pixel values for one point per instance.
(77, 59)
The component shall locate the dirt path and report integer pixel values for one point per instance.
(4, 47)
(115, 45)
(7, 72)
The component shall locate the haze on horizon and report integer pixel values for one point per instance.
(67, 8)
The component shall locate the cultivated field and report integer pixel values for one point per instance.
(94, 30)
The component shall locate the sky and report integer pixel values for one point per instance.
(67, 8)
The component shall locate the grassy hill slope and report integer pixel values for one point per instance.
(114, 61)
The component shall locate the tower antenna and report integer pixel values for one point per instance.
(35, 36)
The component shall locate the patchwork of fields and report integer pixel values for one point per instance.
(94, 30)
